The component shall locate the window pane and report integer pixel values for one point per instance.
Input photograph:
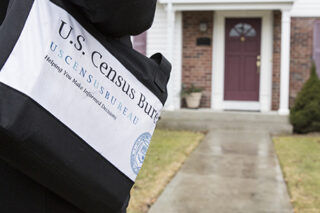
(140, 43)
(251, 33)
(234, 33)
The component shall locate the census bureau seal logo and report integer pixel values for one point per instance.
(139, 151)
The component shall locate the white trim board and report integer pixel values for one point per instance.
(306, 8)
(241, 105)
(265, 91)
(224, 5)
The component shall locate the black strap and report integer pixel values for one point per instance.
(163, 74)
(3, 9)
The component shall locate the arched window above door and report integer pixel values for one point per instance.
(242, 29)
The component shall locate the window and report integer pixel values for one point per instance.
(316, 45)
(140, 43)
(242, 29)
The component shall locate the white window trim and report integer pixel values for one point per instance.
(218, 69)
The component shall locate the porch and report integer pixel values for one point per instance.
(269, 96)
(207, 119)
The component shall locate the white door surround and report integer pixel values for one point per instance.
(265, 93)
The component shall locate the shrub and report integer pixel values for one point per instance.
(305, 113)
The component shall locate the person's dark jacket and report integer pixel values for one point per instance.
(118, 17)
(114, 18)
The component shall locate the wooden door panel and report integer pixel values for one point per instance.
(234, 78)
(234, 47)
(250, 80)
(242, 48)
(251, 47)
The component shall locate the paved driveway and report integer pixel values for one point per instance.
(232, 171)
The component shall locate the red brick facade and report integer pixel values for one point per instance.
(276, 60)
(300, 56)
(301, 53)
(197, 60)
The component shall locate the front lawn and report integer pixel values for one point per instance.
(168, 150)
(300, 161)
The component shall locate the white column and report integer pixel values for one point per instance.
(217, 78)
(177, 60)
(169, 54)
(266, 62)
(285, 63)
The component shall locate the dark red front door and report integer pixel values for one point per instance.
(242, 58)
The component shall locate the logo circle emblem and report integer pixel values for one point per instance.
(139, 151)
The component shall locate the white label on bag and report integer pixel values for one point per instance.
(57, 63)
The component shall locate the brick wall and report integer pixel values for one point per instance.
(300, 56)
(197, 60)
(301, 53)
(276, 60)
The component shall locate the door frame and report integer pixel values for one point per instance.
(218, 58)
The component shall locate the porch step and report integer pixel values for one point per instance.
(203, 120)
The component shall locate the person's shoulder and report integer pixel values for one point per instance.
(118, 17)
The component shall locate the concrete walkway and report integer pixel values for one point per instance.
(232, 171)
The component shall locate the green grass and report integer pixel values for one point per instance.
(300, 161)
(168, 150)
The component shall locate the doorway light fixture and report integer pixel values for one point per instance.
(203, 27)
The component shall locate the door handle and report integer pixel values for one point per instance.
(258, 63)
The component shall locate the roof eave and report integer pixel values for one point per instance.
(199, 5)
(225, 1)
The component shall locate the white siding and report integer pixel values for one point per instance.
(157, 42)
(306, 8)
(156, 38)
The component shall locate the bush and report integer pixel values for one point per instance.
(305, 113)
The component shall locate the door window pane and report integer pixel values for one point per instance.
(242, 29)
